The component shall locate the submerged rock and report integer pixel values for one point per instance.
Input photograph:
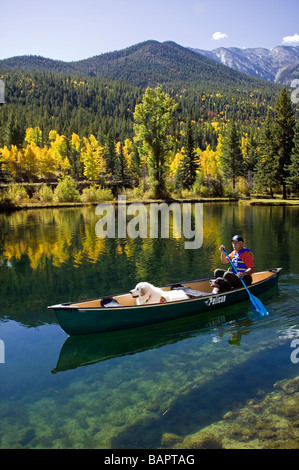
(267, 421)
(170, 439)
(204, 441)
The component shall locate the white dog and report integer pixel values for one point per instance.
(146, 293)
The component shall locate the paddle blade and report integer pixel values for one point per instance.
(257, 305)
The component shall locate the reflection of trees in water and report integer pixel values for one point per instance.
(64, 235)
(50, 256)
(68, 235)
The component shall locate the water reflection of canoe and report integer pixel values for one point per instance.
(85, 350)
(120, 311)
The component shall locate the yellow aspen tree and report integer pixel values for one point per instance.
(53, 135)
(34, 136)
(92, 158)
(10, 160)
(75, 142)
(133, 162)
(58, 145)
(152, 121)
(99, 152)
(28, 161)
(91, 169)
(219, 151)
(209, 162)
(128, 151)
(174, 165)
(245, 148)
(46, 162)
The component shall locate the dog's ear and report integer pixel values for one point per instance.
(142, 291)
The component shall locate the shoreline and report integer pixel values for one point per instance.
(269, 202)
(56, 205)
(9, 207)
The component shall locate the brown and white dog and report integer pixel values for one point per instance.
(146, 293)
(219, 285)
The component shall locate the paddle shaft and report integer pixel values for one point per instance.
(236, 271)
(256, 304)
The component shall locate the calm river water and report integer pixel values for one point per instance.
(227, 379)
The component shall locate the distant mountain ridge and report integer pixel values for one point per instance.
(144, 64)
(275, 65)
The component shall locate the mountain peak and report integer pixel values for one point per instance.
(151, 62)
(267, 64)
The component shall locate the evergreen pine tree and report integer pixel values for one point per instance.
(3, 172)
(121, 176)
(75, 161)
(284, 135)
(266, 166)
(13, 134)
(293, 179)
(232, 158)
(109, 153)
(186, 174)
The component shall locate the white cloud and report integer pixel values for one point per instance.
(291, 39)
(218, 35)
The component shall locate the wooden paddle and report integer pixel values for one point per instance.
(256, 304)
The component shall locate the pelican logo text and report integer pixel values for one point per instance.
(215, 300)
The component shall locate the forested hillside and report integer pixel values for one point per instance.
(97, 106)
(150, 63)
(79, 121)
(67, 104)
(99, 94)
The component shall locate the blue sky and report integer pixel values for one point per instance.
(73, 30)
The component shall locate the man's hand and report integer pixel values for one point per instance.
(223, 257)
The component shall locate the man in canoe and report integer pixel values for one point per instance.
(242, 259)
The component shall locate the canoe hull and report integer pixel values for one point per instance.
(77, 321)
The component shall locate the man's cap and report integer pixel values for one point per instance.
(237, 238)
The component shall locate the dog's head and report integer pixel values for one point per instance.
(214, 282)
(141, 289)
(220, 283)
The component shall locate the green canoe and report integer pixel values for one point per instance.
(120, 311)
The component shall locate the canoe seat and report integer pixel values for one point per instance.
(110, 302)
(189, 291)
